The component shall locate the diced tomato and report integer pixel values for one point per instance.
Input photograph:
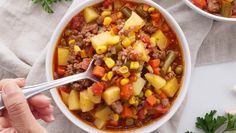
(85, 63)
(145, 39)
(154, 63)
(114, 29)
(162, 109)
(151, 100)
(98, 88)
(156, 16)
(89, 50)
(132, 78)
(141, 114)
(145, 7)
(76, 22)
(114, 123)
(107, 3)
(64, 89)
(98, 71)
(200, 3)
(156, 71)
(118, 81)
(162, 95)
(61, 71)
(127, 112)
(126, 91)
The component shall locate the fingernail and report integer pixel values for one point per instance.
(52, 118)
(10, 88)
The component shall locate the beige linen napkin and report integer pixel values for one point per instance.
(25, 31)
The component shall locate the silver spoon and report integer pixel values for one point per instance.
(30, 91)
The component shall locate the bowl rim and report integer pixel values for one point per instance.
(149, 127)
(206, 14)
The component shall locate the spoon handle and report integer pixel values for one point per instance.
(30, 91)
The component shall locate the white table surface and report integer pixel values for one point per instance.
(210, 89)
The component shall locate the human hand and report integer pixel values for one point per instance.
(20, 116)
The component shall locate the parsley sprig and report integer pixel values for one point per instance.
(47, 4)
(211, 123)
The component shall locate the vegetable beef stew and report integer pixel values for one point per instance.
(225, 8)
(138, 59)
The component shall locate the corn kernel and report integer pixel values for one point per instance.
(151, 9)
(148, 93)
(132, 100)
(109, 62)
(169, 69)
(126, 75)
(72, 41)
(119, 15)
(153, 41)
(123, 69)
(83, 54)
(104, 78)
(114, 40)
(134, 65)
(107, 21)
(76, 49)
(110, 75)
(132, 37)
(124, 81)
(115, 117)
(101, 49)
(126, 42)
(106, 13)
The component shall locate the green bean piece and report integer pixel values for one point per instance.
(126, 11)
(129, 121)
(169, 60)
(141, 12)
(179, 69)
(63, 42)
(226, 9)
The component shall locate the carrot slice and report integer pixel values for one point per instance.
(98, 71)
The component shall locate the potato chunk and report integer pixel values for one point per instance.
(171, 87)
(139, 47)
(156, 81)
(161, 40)
(65, 96)
(62, 55)
(134, 21)
(90, 14)
(99, 123)
(138, 85)
(85, 103)
(104, 113)
(73, 100)
(111, 94)
(92, 97)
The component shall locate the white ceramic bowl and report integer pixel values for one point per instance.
(150, 127)
(206, 14)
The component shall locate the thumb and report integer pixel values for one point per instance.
(17, 107)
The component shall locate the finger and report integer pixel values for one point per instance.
(19, 81)
(45, 111)
(47, 118)
(40, 101)
(17, 107)
(4, 122)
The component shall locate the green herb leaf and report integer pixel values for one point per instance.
(47, 4)
(231, 123)
(209, 123)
